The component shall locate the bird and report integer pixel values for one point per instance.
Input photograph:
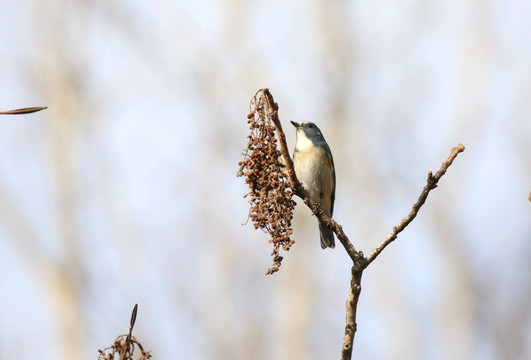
(314, 167)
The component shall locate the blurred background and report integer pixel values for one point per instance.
(124, 191)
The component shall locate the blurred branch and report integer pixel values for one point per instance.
(269, 110)
(17, 225)
(23, 111)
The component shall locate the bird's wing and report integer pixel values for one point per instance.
(331, 158)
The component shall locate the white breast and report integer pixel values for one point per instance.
(312, 169)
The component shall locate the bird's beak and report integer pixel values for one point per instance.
(296, 124)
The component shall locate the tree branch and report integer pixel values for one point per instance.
(431, 184)
(352, 305)
(360, 263)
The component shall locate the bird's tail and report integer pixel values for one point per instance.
(327, 236)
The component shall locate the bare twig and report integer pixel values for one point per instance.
(361, 263)
(431, 184)
(23, 111)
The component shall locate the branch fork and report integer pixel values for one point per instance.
(360, 262)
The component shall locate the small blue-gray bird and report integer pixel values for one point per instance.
(314, 167)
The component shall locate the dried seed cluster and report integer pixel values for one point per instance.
(117, 350)
(271, 203)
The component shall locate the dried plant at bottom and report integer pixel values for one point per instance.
(270, 196)
(124, 346)
(119, 350)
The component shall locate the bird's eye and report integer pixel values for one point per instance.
(310, 126)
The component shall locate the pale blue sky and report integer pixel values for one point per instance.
(133, 166)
